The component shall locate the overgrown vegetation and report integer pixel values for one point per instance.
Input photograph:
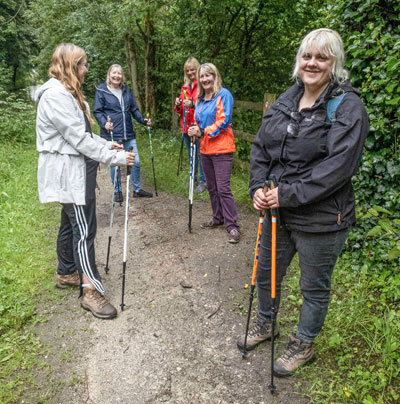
(27, 250)
(253, 46)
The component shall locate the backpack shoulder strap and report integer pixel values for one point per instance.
(332, 106)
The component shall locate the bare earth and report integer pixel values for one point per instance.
(171, 344)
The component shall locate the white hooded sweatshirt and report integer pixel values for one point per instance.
(63, 144)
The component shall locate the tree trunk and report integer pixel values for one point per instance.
(150, 59)
(131, 59)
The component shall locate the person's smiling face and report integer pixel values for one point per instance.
(116, 77)
(191, 73)
(207, 81)
(315, 68)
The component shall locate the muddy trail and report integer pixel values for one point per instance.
(175, 342)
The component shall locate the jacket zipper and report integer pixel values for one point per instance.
(123, 114)
(122, 106)
(339, 215)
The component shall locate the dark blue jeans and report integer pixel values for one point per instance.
(318, 253)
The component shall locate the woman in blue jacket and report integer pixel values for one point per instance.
(114, 107)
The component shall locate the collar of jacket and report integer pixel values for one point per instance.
(103, 87)
(289, 101)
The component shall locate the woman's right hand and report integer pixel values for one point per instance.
(178, 102)
(130, 158)
(259, 200)
(194, 131)
(109, 126)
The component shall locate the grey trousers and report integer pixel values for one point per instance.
(318, 253)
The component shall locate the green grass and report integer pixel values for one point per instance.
(27, 249)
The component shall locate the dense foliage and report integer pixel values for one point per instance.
(253, 44)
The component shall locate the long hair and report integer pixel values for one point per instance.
(64, 67)
(329, 43)
(108, 79)
(209, 68)
(191, 62)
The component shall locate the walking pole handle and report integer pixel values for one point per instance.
(111, 132)
(128, 168)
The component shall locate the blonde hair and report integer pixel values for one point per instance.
(64, 67)
(191, 62)
(329, 43)
(108, 78)
(211, 69)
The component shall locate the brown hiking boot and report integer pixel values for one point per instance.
(261, 331)
(63, 281)
(296, 354)
(95, 302)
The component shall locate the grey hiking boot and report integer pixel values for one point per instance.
(261, 331)
(201, 187)
(63, 281)
(296, 354)
(95, 302)
(234, 236)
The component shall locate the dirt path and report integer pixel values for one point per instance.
(171, 344)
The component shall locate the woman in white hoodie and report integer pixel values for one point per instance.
(68, 160)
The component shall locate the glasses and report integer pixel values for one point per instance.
(294, 127)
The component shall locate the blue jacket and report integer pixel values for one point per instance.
(107, 104)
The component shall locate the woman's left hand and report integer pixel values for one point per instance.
(117, 146)
(273, 198)
(148, 122)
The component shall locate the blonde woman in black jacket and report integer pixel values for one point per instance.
(310, 140)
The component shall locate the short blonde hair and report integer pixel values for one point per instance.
(108, 78)
(211, 69)
(64, 67)
(329, 43)
(191, 62)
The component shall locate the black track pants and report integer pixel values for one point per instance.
(75, 242)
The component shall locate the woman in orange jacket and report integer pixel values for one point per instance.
(213, 117)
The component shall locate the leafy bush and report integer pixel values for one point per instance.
(17, 118)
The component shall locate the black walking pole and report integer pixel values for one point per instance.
(115, 184)
(128, 179)
(274, 218)
(254, 274)
(152, 157)
(106, 269)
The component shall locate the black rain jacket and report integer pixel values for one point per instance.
(314, 169)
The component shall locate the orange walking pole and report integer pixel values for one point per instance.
(253, 277)
(274, 218)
